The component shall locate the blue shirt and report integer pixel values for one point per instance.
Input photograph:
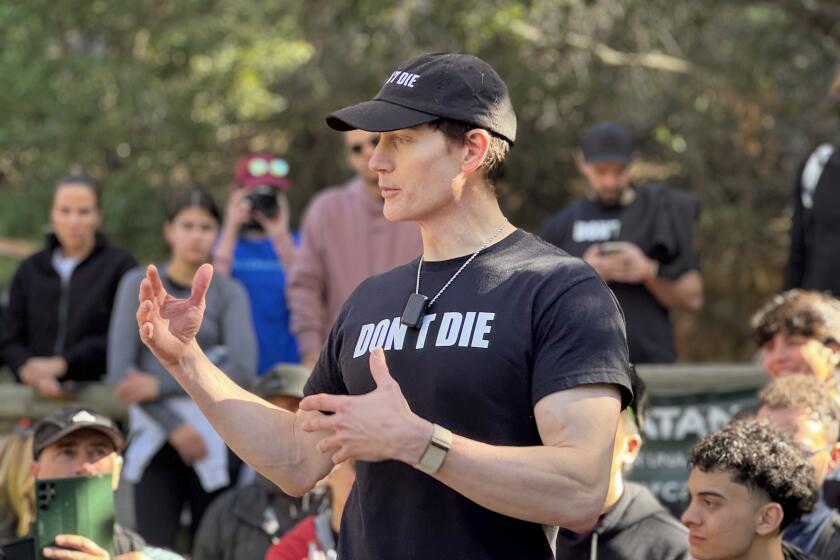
(258, 267)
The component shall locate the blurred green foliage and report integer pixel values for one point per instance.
(725, 98)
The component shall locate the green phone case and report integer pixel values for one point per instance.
(74, 506)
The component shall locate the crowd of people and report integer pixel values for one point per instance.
(227, 382)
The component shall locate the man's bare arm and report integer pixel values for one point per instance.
(562, 482)
(266, 437)
(686, 292)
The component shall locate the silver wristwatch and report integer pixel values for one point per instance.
(435, 453)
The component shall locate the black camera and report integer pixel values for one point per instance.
(263, 199)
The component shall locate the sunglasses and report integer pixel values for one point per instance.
(259, 167)
(356, 149)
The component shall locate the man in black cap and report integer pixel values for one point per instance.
(79, 441)
(638, 238)
(511, 344)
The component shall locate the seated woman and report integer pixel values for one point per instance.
(56, 326)
(175, 457)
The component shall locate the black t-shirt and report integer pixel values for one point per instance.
(660, 222)
(522, 321)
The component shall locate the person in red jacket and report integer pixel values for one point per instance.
(315, 538)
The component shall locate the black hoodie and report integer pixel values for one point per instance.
(47, 318)
(636, 527)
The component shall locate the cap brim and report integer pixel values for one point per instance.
(377, 116)
(116, 437)
(608, 158)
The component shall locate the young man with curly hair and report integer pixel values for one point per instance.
(748, 482)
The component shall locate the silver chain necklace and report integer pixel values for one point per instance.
(416, 306)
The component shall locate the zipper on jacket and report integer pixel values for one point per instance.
(63, 312)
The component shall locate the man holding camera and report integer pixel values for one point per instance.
(638, 238)
(257, 248)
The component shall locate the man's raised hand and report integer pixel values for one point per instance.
(168, 325)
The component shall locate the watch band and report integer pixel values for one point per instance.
(436, 451)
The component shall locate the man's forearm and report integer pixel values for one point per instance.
(684, 293)
(264, 436)
(549, 485)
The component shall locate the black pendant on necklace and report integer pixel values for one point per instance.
(415, 310)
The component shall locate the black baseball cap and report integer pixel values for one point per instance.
(607, 142)
(454, 86)
(69, 419)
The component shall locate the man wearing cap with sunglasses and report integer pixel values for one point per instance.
(495, 414)
(638, 238)
(256, 247)
(346, 239)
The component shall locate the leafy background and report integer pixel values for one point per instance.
(724, 98)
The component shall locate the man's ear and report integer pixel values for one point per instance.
(34, 468)
(579, 161)
(835, 458)
(632, 446)
(477, 144)
(770, 518)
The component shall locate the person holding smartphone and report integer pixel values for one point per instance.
(257, 248)
(639, 238)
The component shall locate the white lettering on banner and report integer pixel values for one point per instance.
(400, 78)
(595, 230)
(679, 423)
(467, 330)
(669, 491)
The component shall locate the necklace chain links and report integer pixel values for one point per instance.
(463, 266)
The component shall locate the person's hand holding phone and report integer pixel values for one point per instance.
(608, 265)
(75, 547)
(620, 261)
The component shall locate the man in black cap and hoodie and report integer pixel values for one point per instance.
(638, 237)
(507, 366)
(634, 524)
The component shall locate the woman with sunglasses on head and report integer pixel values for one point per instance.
(55, 329)
(256, 247)
(175, 457)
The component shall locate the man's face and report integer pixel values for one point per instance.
(81, 453)
(809, 432)
(722, 516)
(607, 180)
(359, 146)
(417, 169)
(790, 354)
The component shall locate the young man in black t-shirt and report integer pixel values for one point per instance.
(639, 239)
(508, 342)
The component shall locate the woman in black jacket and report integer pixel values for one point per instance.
(56, 326)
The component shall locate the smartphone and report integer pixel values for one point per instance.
(612, 247)
(81, 506)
